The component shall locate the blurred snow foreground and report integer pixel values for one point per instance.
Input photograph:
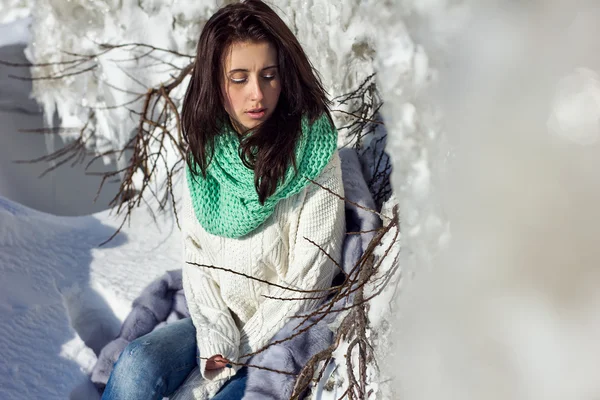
(492, 111)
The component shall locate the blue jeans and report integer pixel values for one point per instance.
(155, 365)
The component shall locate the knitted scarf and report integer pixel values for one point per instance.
(226, 203)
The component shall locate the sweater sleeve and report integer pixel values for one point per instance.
(216, 331)
(321, 220)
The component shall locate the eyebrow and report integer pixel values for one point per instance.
(246, 70)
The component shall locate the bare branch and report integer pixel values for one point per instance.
(53, 77)
(144, 45)
(35, 65)
(359, 117)
(348, 201)
(257, 367)
(333, 288)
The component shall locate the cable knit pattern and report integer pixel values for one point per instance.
(231, 313)
(226, 202)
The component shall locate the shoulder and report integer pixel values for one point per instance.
(327, 187)
(321, 210)
(330, 177)
(324, 194)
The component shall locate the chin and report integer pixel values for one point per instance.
(253, 123)
(250, 123)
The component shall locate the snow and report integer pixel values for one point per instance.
(15, 32)
(505, 304)
(576, 107)
(59, 290)
(11, 10)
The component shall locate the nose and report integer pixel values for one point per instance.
(256, 92)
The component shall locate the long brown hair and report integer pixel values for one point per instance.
(268, 149)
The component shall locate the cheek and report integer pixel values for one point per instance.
(236, 97)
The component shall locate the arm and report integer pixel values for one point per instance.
(216, 331)
(321, 220)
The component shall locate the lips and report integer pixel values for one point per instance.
(256, 113)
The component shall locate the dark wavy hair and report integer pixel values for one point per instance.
(268, 149)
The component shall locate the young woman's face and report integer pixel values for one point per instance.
(251, 85)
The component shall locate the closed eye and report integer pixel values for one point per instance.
(240, 81)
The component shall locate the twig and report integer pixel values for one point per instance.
(52, 77)
(256, 367)
(359, 117)
(349, 201)
(333, 288)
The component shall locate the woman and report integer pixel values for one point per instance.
(256, 120)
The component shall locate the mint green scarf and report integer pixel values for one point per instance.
(226, 202)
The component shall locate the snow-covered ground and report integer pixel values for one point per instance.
(63, 297)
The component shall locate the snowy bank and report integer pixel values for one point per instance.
(63, 296)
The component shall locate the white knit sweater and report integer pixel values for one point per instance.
(231, 314)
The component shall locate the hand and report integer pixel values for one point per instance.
(216, 362)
